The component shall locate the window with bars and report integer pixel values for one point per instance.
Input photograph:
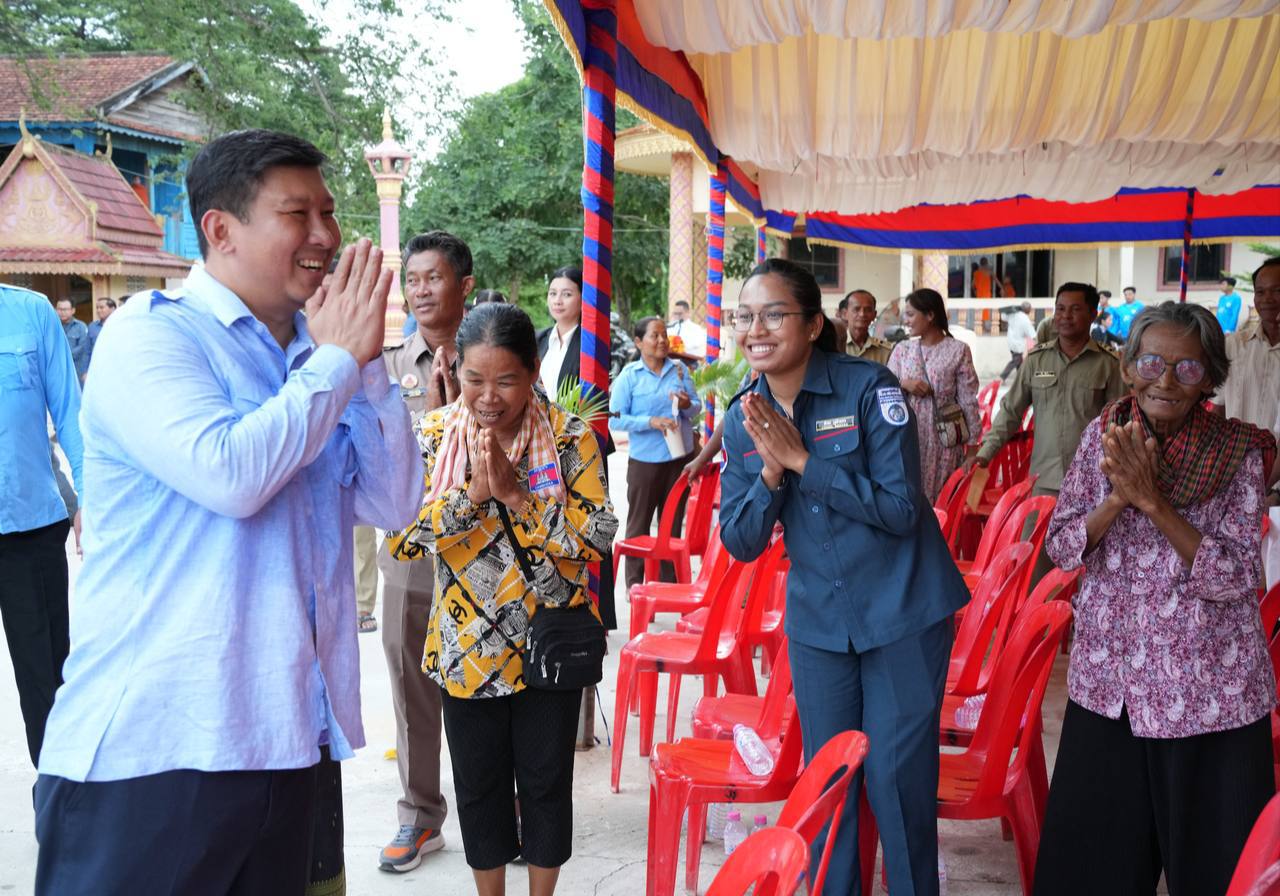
(821, 261)
(1206, 266)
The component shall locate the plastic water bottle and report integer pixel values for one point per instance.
(968, 713)
(734, 833)
(755, 755)
(760, 823)
(942, 875)
(717, 815)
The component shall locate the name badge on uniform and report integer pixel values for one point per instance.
(836, 423)
(893, 407)
(1044, 378)
(543, 477)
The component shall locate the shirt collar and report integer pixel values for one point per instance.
(228, 308)
(554, 340)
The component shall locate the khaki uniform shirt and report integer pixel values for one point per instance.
(1252, 390)
(872, 350)
(409, 364)
(1067, 393)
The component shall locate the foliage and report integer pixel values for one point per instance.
(1244, 279)
(583, 400)
(266, 65)
(740, 251)
(720, 378)
(508, 182)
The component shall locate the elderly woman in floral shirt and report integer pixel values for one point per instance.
(1165, 757)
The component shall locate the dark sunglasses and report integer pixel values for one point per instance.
(1188, 371)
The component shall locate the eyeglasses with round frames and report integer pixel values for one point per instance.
(1188, 371)
(742, 320)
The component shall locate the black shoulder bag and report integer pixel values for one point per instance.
(565, 646)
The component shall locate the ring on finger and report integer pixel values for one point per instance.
(766, 424)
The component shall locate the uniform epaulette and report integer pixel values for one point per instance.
(1041, 346)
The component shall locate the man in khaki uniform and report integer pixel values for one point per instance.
(1067, 382)
(437, 281)
(858, 311)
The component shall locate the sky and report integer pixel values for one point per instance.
(482, 45)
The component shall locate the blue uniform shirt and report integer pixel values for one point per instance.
(213, 625)
(36, 372)
(1122, 316)
(869, 565)
(639, 394)
(1229, 311)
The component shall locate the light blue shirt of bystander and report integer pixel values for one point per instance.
(36, 373)
(213, 624)
(639, 394)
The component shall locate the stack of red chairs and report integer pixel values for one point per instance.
(987, 396)
(1258, 870)
(650, 598)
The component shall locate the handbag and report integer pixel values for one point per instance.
(564, 647)
(948, 418)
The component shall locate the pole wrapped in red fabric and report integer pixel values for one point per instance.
(599, 95)
(715, 275)
(1186, 245)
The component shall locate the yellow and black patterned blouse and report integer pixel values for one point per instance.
(482, 605)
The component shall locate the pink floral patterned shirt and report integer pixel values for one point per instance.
(1182, 648)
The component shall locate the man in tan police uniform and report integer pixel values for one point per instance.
(858, 311)
(437, 281)
(1067, 382)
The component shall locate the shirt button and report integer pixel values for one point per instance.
(837, 447)
(815, 508)
(826, 545)
(839, 583)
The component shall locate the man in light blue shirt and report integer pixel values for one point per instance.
(1122, 315)
(232, 444)
(1229, 305)
(37, 379)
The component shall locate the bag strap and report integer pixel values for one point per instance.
(522, 554)
(924, 371)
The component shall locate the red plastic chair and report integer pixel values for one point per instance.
(666, 545)
(692, 772)
(988, 780)
(949, 488)
(768, 863)
(942, 520)
(704, 495)
(651, 598)
(993, 528)
(714, 717)
(983, 631)
(760, 620)
(1041, 506)
(713, 653)
(1260, 857)
(821, 795)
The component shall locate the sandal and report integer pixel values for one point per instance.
(367, 623)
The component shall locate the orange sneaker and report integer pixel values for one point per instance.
(408, 847)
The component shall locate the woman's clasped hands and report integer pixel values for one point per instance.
(776, 439)
(493, 476)
(1130, 463)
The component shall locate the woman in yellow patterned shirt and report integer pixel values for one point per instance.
(503, 442)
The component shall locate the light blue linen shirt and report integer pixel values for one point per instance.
(36, 372)
(639, 394)
(213, 625)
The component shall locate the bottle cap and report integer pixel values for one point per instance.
(735, 816)
(762, 819)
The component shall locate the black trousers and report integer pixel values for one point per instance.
(328, 874)
(1015, 361)
(33, 604)
(497, 745)
(1122, 808)
(179, 833)
(647, 489)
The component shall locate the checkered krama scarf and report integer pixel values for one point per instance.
(461, 439)
(1202, 456)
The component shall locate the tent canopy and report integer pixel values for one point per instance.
(838, 108)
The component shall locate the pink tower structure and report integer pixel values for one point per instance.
(389, 164)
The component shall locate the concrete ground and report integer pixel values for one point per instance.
(609, 858)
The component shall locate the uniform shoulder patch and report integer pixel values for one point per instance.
(893, 407)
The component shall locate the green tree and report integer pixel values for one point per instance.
(508, 182)
(1244, 279)
(266, 64)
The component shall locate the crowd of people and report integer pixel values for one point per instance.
(243, 440)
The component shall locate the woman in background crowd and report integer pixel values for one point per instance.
(936, 372)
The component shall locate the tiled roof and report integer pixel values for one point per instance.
(98, 180)
(89, 254)
(69, 87)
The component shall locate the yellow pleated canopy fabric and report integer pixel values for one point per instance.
(873, 105)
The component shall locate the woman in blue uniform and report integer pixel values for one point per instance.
(824, 443)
